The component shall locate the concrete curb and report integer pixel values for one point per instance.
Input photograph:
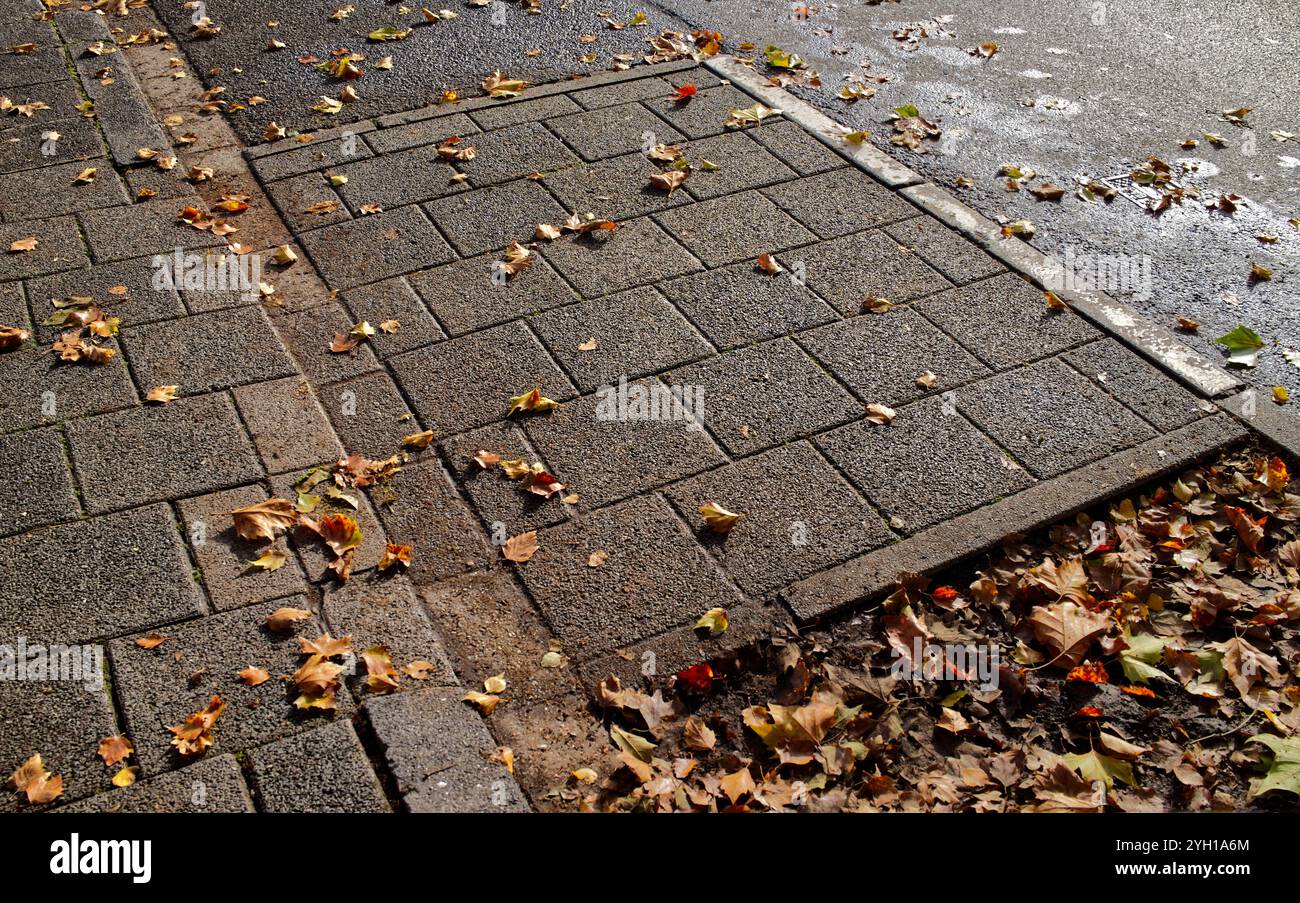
(1257, 410)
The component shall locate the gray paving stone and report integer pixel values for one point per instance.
(163, 183)
(938, 464)
(737, 227)
(519, 111)
(614, 130)
(959, 260)
(141, 303)
(1163, 403)
(41, 389)
(313, 554)
(35, 482)
(98, 577)
(516, 151)
(22, 144)
(847, 271)
(60, 248)
(624, 92)
(637, 333)
(382, 610)
(325, 770)
(616, 188)
(161, 452)
(742, 163)
(742, 304)
(295, 195)
(1051, 418)
(63, 96)
(421, 509)
(704, 114)
(308, 335)
(223, 557)
(655, 578)
(796, 148)
(491, 218)
(318, 154)
(63, 720)
(393, 299)
(839, 202)
(368, 413)
(207, 352)
(151, 227)
(161, 687)
(800, 517)
(638, 253)
(498, 499)
(286, 423)
(464, 298)
(429, 131)
(468, 381)
(44, 64)
(634, 454)
(13, 306)
(435, 746)
(880, 356)
(1005, 321)
(403, 177)
(376, 247)
(768, 394)
(209, 785)
(53, 191)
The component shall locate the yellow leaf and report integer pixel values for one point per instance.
(719, 519)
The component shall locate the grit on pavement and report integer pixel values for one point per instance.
(859, 439)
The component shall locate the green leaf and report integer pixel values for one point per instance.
(1243, 344)
(1139, 659)
(388, 33)
(1283, 770)
(906, 111)
(1093, 766)
(779, 59)
(637, 747)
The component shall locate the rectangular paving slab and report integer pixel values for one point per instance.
(213, 784)
(464, 296)
(324, 770)
(376, 247)
(35, 481)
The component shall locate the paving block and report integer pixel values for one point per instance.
(392, 180)
(143, 300)
(614, 130)
(209, 785)
(1159, 400)
(654, 579)
(959, 260)
(376, 247)
(60, 248)
(368, 413)
(381, 610)
(625, 92)
(325, 770)
(616, 188)
(847, 271)
(308, 334)
(764, 395)
(41, 389)
(798, 149)
(598, 265)
(464, 296)
(54, 190)
(840, 202)
(161, 687)
(504, 507)
(435, 747)
(742, 304)
(1051, 418)
(1005, 321)
(880, 356)
(939, 465)
(619, 324)
(393, 299)
(123, 114)
(13, 306)
(35, 481)
(44, 64)
(704, 114)
(224, 558)
(61, 718)
(742, 163)
(161, 452)
(606, 446)
(164, 183)
(99, 577)
(286, 423)
(319, 154)
(207, 352)
(314, 555)
(491, 218)
(308, 201)
(150, 227)
(22, 145)
(468, 381)
(737, 227)
(514, 152)
(421, 509)
(428, 131)
(800, 516)
(514, 112)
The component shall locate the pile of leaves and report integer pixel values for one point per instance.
(1144, 661)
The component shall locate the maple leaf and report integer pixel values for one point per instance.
(670, 180)
(395, 555)
(497, 85)
(193, 736)
(484, 702)
(1067, 629)
(1244, 663)
(325, 645)
(418, 440)
(738, 784)
(520, 548)
(697, 735)
(717, 518)
(254, 676)
(114, 749)
(151, 641)
(532, 401)
(1059, 789)
(39, 785)
(339, 531)
(1066, 582)
(1095, 766)
(264, 521)
(162, 394)
(381, 676)
(270, 560)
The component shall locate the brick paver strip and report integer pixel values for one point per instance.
(212, 784)
(27, 460)
(325, 770)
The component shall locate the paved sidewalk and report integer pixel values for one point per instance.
(115, 522)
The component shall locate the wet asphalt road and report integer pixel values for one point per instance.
(1076, 89)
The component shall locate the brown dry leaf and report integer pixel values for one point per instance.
(881, 414)
(1054, 301)
(381, 676)
(669, 181)
(340, 532)
(504, 755)
(547, 232)
(193, 736)
(497, 85)
(517, 259)
(698, 736)
(738, 784)
(719, 519)
(151, 641)
(395, 555)
(531, 401)
(590, 345)
(162, 394)
(1068, 630)
(39, 785)
(496, 684)
(450, 149)
(484, 702)
(86, 176)
(270, 560)
(390, 327)
(12, 338)
(597, 558)
(418, 440)
(114, 749)
(254, 676)
(877, 305)
(325, 645)
(23, 244)
(264, 521)
(486, 459)
(520, 548)
(283, 619)
(419, 669)
(767, 263)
